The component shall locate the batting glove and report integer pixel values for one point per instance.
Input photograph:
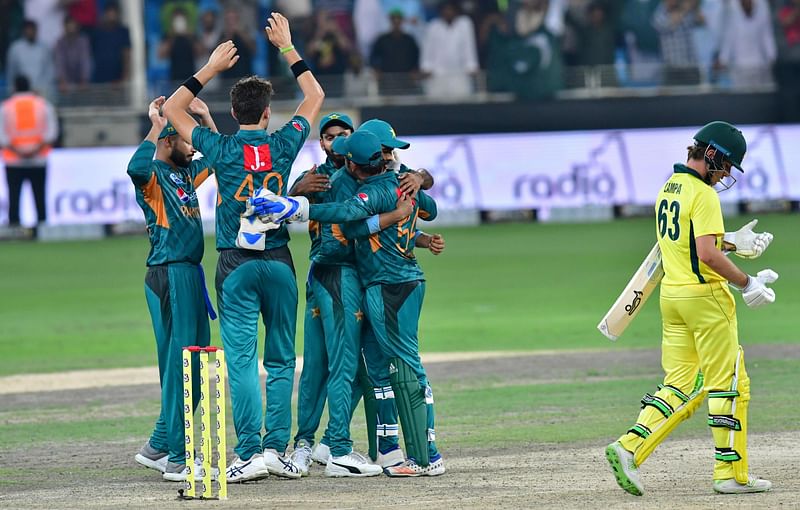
(756, 293)
(749, 245)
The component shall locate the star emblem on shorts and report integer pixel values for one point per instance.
(314, 313)
(359, 315)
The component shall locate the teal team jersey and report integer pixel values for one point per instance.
(387, 256)
(168, 198)
(328, 245)
(244, 162)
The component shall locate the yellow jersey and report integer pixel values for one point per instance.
(687, 208)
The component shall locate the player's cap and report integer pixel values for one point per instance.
(396, 11)
(362, 148)
(385, 133)
(335, 119)
(168, 130)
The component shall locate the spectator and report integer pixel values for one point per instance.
(111, 48)
(73, 57)
(413, 15)
(642, 44)
(82, 11)
(28, 127)
(449, 55)
(31, 59)
(340, 12)
(369, 22)
(788, 69)
(180, 47)
(748, 44)
(596, 45)
(329, 49)
(209, 35)
(357, 81)
(245, 44)
(674, 21)
(10, 27)
(49, 17)
(395, 52)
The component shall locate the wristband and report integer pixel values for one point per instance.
(299, 68)
(194, 85)
(287, 49)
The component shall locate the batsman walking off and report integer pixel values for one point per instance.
(700, 350)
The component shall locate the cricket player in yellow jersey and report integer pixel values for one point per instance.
(700, 350)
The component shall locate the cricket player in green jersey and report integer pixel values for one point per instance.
(321, 351)
(255, 273)
(174, 286)
(394, 284)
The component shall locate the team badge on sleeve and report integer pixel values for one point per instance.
(363, 197)
(257, 158)
(297, 125)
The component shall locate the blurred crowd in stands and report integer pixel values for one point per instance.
(443, 49)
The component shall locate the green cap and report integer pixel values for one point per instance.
(726, 138)
(385, 133)
(335, 118)
(168, 130)
(362, 148)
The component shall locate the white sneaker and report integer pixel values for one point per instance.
(352, 464)
(246, 470)
(152, 458)
(321, 453)
(625, 470)
(410, 468)
(731, 486)
(280, 466)
(301, 456)
(391, 458)
(177, 472)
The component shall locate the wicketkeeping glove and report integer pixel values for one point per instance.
(756, 293)
(749, 245)
(252, 228)
(272, 208)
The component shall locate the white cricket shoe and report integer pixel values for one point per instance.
(301, 456)
(177, 472)
(278, 465)
(731, 486)
(391, 458)
(321, 453)
(352, 464)
(152, 458)
(625, 470)
(246, 470)
(410, 468)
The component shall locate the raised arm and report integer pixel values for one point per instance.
(139, 166)
(200, 108)
(279, 35)
(175, 108)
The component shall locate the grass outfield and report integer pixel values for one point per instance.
(502, 287)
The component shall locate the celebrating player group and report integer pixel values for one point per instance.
(364, 290)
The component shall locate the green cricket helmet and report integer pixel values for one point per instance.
(724, 141)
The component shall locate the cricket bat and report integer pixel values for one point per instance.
(636, 294)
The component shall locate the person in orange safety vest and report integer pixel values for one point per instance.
(28, 128)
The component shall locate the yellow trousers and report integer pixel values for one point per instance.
(699, 333)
